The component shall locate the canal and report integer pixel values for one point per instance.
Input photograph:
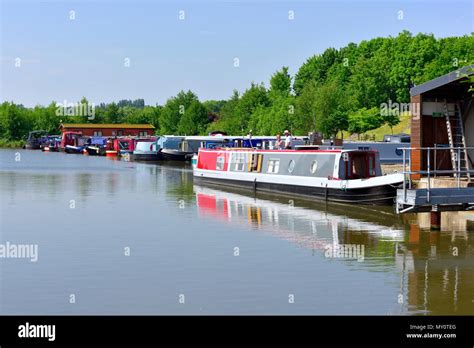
(121, 237)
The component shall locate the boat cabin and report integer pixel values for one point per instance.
(331, 164)
(70, 138)
(169, 142)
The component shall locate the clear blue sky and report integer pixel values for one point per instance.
(63, 59)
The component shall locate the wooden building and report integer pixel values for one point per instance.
(109, 129)
(443, 117)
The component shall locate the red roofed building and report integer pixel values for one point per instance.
(109, 129)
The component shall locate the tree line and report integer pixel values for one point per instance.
(338, 90)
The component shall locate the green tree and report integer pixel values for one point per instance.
(46, 118)
(173, 110)
(331, 109)
(315, 69)
(15, 121)
(194, 120)
(364, 120)
(227, 120)
(254, 97)
(112, 113)
(280, 84)
(274, 118)
(305, 110)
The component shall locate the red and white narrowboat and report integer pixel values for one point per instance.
(345, 176)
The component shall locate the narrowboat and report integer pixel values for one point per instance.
(72, 142)
(121, 146)
(110, 148)
(52, 144)
(146, 150)
(97, 146)
(390, 152)
(35, 140)
(183, 148)
(171, 148)
(125, 146)
(265, 142)
(345, 176)
(79, 146)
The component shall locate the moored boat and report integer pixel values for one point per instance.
(334, 175)
(69, 141)
(74, 142)
(52, 143)
(96, 146)
(146, 150)
(35, 140)
(179, 148)
(125, 146)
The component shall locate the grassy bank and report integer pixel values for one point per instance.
(11, 144)
(377, 134)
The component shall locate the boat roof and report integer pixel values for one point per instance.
(210, 137)
(246, 149)
(235, 137)
(107, 125)
(173, 136)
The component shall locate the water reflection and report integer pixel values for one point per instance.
(188, 247)
(438, 270)
(435, 268)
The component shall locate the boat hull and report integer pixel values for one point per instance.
(95, 151)
(49, 149)
(375, 195)
(73, 149)
(146, 157)
(176, 155)
(111, 153)
(32, 146)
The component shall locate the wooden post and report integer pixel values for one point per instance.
(435, 220)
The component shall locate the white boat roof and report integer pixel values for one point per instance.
(210, 137)
(235, 137)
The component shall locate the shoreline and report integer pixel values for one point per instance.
(11, 144)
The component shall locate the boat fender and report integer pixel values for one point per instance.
(255, 184)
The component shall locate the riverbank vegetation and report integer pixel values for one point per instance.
(336, 93)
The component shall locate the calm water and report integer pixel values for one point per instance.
(132, 238)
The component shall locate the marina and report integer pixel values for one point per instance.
(191, 247)
(223, 166)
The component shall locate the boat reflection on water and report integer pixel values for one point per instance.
(316, 226)
(435, 270)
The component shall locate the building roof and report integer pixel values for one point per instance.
(443, 80)
(107, 125)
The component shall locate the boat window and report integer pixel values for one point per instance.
(240, 162)
(291, 166)
(372, 165)
(172, 144)
(123, 145)
(314, 166)
(361, 166)
(255, 165)
(97, 133)
(220, 163)
(273, 166)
